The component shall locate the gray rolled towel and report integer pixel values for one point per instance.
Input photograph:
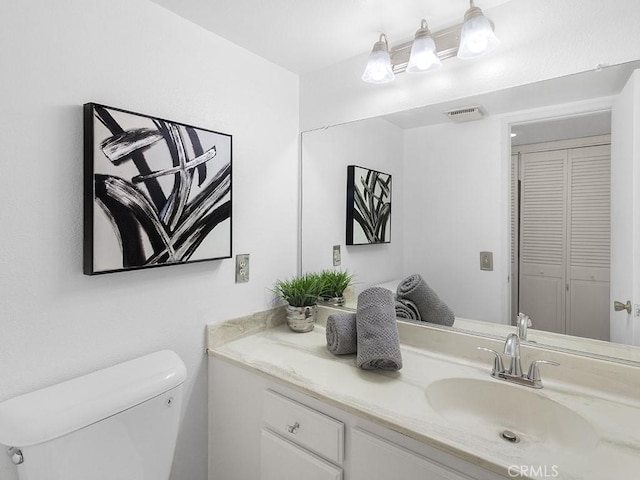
(429, 305)
(342, 338)
(378, 340)
(407, 309)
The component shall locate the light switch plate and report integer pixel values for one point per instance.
(486, 261)
(242, 268)
(337, 258)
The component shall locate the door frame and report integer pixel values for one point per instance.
(515, 119)
(559, 145)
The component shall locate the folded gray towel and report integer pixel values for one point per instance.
(341, 333)
(429, 305)
(378, 341)
(407, 309)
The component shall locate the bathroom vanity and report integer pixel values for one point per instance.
(282, 407)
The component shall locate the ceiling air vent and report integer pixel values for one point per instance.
(465, 114)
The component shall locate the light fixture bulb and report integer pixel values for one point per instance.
(424, 56)
(379, 68)
(477, 37)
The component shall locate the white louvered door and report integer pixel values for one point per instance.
(543, 238)
(565, 240)
(589, 242)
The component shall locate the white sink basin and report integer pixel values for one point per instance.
(489, 407)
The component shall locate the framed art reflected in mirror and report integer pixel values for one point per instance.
(368, 206)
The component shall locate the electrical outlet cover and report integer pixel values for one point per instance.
(242, 268)
(337, 258)
(486, 261)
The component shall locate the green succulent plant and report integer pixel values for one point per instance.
(334, 282)
(300, 291)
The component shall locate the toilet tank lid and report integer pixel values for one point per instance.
(60, 409)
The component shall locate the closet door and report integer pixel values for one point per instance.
(543, 238)
(589, 232)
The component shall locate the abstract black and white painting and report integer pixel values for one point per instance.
(157, 192)
(368, 206)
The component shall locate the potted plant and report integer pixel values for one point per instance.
(334, 283)
(301, 294)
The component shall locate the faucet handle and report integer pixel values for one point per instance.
(534, 370)
(498, 366)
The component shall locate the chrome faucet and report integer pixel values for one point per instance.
(514, 372)
(512, 350)
(523, 322)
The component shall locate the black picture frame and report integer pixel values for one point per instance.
(368, 206)
(156, 192)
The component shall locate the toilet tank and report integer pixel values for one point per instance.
(119, 423)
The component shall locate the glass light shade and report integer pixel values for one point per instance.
(477, 37)
(379, 68)
(423, 57)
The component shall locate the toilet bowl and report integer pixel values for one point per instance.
(119, 423)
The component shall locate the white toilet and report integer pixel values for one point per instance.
(119, 423)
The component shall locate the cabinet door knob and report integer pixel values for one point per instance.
(293, 428)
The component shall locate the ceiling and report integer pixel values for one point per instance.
(304, 35)
(598, 123)
(581, 86)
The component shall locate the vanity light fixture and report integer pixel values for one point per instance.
(425, 52)
(379, 68)
(477, 37)
(424, 56)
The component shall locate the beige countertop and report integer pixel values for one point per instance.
(605, 394)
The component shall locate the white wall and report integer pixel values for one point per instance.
(454, 210)
(375, 144)
(540, 39)
(57, 323)
(625, 210)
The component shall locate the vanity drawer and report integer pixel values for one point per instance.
(304, 426)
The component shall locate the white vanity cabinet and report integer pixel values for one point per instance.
(262, 430)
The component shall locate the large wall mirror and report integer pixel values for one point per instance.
(544, 181)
